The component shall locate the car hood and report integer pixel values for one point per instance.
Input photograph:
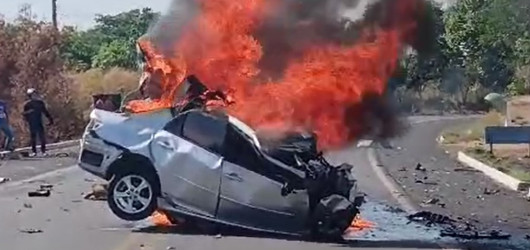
(128, 130)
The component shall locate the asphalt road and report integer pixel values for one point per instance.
(69, 222)
(453, 191)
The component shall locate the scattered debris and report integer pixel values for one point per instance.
(491, 191)
(432, 183)
(432, 201)
(31, 231)
(89, 180)
(473, 234)
(4, 180)
(466, 169)
(46, 187)
(403, 169)
(99, 192)
(76, 201)
(219, 236)
(28, 205)
(430, 217)
(39, 193)
(419, 167)
(457, 229)
(480, 197)
(43, 191)
(170, 248)
(442, 205)
(18, 211)
(65, 209)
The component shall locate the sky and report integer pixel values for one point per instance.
(79, 13)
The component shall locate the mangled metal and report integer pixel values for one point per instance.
(200, 164)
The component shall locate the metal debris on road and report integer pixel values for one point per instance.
(219, 236)
(4, 180)
(30, 231)
(28, 205)
(170, 248)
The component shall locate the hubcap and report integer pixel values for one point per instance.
(132, 194)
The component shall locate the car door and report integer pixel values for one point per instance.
(250, 194)
(184, 153)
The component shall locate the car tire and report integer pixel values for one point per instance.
(136, 202)
(331, 217)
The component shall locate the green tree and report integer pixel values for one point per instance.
(111, 43)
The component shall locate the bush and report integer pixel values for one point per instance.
(29, 58)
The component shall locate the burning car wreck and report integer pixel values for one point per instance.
(202, 164)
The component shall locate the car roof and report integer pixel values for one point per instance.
(245, 129)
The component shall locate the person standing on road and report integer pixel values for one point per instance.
(34, 108)
(5, 127)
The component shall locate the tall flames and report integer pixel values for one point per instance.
(323, 83)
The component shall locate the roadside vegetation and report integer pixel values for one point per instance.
(480, 47)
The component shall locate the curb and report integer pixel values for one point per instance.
(500, 177)
(51, 146)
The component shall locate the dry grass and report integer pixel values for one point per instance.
(519, 111)
(472, 132)
(510, 159)
(513, 164)
(97, 81)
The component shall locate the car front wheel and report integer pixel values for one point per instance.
(132, 195)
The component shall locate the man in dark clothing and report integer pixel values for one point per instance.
(33, 111)
(5, 127)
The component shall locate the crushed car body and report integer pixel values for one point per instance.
(206, 165)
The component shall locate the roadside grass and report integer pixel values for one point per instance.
(469, 138)
(473, 131)
(516, 166)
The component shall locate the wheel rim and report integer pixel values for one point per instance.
(132, 194)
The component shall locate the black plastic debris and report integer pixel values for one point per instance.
(430, 218)
(30, 231)
(420, 167)
(43, 191)
(39, 193)
(457, 228)
(491, 191)
(475, 235)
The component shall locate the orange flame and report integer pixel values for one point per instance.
(218, 47)
(358, 224)
(159, 218)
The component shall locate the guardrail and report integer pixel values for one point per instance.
(507, 135)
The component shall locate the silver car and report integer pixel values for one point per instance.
(211, 166)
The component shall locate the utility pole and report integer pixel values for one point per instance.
(54, 13)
